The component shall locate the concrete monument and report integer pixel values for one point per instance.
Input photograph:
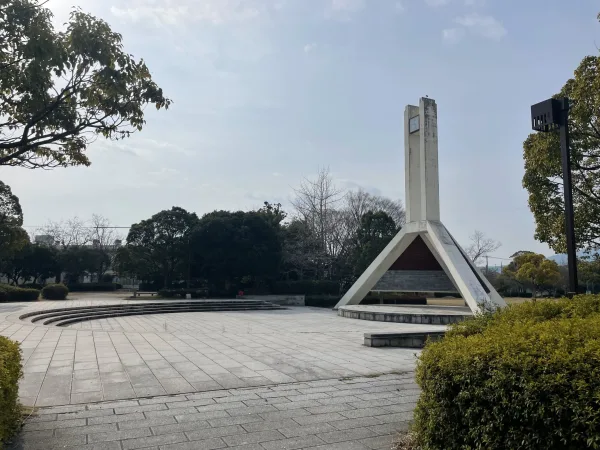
(423, 256)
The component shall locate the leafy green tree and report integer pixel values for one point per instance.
(543, 169)
(60, 90)
(158, 247)
(79, 261)
(12, 236)
(228, 247)
(588, 271)
(33, 261)
(534, 271)
(273, 212)
(376, 231)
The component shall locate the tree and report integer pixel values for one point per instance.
(588, 270)
(376, 231)
(534, 270)
(234, 248)
(543, 166)
(481, 246)
(33, 261)
(157, 248)
(12, 236)
(302, 254)
(79, 261)
(61, 90)
(97, 231)
(359, 202)
(273, 212)
(315, 204)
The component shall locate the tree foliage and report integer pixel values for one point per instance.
(376, 231)
(543, 170)
(157, 247)
(12, 236)
(233, 248)
(534, 271)
(33, 261)
(61, 90)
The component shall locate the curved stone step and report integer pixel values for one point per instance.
(69, 315)
(112, 313)
(69, 321)
(40, 315)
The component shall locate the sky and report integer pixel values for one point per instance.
(268, 91)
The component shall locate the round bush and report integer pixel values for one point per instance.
(55, 292)
(526, 377)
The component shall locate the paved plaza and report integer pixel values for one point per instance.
(221, 371)
(340, 414)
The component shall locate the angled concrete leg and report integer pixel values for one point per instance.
(477, 291)
(378, 267)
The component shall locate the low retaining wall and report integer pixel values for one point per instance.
(405, 340)
(283, 300)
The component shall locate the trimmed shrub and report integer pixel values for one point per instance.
(55, 292)
(10, 372)
(306, 287)
(525, 377)
(16, 294)
(92, 287)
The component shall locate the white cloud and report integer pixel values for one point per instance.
(309, 47)
(437, 3)
(475, 2)
(277, 174)
(484, 26)
(344, 9)
(399, 7)
(175, 12)
(453, 35)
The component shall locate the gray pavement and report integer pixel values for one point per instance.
(339, 414)
(167, 354)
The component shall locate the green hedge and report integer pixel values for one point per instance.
(10, 372)
(94, 287)
(55, 292)
(526, 377)
(10, 293)
(307, 287)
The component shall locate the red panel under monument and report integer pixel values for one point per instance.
(417, 256)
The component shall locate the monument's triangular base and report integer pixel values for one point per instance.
(408, 252)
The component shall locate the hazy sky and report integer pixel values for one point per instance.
(267, 91)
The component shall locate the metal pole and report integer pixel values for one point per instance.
(567, 188)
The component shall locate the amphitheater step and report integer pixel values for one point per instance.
(71, 315)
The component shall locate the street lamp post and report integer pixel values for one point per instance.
(548, 116)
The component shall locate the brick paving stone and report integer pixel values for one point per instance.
(260, 437)
(293, 443)
(149, 441)
(346, 435)
(208, 444)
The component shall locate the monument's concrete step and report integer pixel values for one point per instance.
(431, 315)
(404, 340)
(68, 316)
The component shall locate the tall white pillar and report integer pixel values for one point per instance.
(421, 162)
